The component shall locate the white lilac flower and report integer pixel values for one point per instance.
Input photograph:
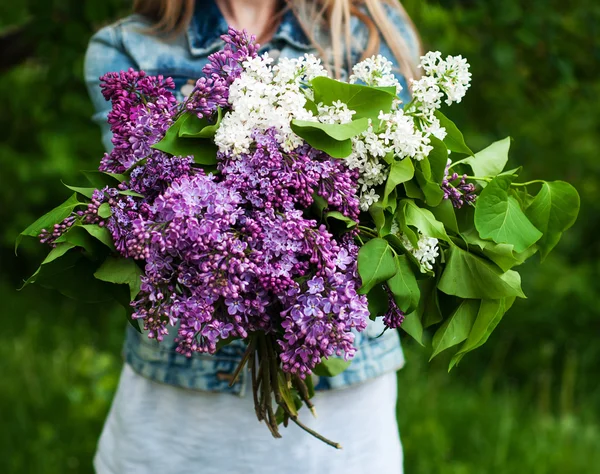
(402, 136)
(375, 71)
(367, 199)
(433, 127)
(457, 78)
(426, 252)
(426, 92)
(296, 70)
(264, 97)
(450, 75)
(337, 112)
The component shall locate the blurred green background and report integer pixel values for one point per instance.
(527, 402)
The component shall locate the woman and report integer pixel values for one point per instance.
(173, 414)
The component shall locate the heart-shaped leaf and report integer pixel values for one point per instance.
(469, 276)
(376, 264)
(454, 139)
(553, 211)
(333, 139)
(491, 160)
(456, 328)
(499, 217)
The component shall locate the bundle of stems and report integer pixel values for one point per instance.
(271, 384)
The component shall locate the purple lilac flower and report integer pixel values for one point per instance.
(394, 317)
(223, 67)
(142, 111)
(271, 178)
(460, 193)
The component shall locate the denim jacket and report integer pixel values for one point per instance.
(126, 44)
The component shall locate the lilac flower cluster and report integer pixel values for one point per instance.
(460, 193)
(142, 111)
(88, 216)
(223, 67)
(273, 178)
(394, 316)
(318, 322)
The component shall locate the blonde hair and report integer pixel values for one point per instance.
(317, 18)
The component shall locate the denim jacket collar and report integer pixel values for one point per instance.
(208, 24)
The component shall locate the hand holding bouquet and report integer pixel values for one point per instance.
(285, 208)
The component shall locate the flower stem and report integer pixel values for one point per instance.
(454, 163)
(367, 231)
(528, 182)
(315, 434)
(478, 178)
(512, 184)
(303, 391)
(249, 352)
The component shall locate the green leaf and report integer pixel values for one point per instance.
(400, 172)
(553, 211)
(72, 276)
(55, 253)
(430, 172)
(366, 101)
(87, 192)
(376, 264)
(407, 231)
(489, 315)
(100, 233)
(101, 179)
(331, 367)
(311, 106)
(469, 276)
(412, 190)
(104, 210)
(432, 314)
(47, 221)
(454, 139)
(403, 286)
(78, 237)
(395, 243)
(122, 295)
(378, 301)
(286, 394)
(378, 214)
(121, 271)
(203, 150)
(432, 192)
(308, 381)
(503, 255)
(414, 322)
(338, 216)
(424, 220)
(413, 326)
(437, 159)
(382, 218)
(456, 328)
(499, 217)
(129, 192)
(491, 160)
(446, 214)
(194, 127)
(319, 205)
(333, 139)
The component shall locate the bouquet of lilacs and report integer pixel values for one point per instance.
(285, 208)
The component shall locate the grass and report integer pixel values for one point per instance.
(452, 426)
(60, 366)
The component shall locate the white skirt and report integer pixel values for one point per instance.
(156, 428)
